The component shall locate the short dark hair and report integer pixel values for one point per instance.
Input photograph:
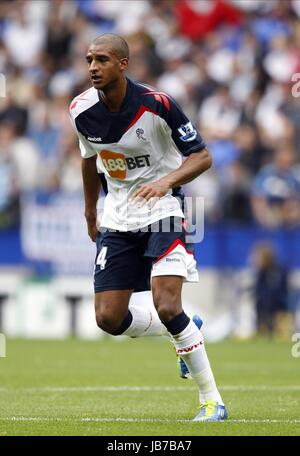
(118, 45)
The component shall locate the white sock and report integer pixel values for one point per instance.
(145, 322)
(189, 346)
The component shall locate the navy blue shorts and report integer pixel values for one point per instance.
(124, 259)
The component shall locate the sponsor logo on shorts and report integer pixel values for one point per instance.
(173, 259)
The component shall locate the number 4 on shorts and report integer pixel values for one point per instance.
(101, 258)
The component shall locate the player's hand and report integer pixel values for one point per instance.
(91, 220)
(150, 192)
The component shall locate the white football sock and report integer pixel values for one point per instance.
(145, 322)
(189, 346)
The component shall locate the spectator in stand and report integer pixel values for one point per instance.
(219, 115)
(9, 192)
(234, 194)
(23, 36)
(290, 107)
(271, 293)
(197, 18)
(276, 190)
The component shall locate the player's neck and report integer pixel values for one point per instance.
(113, 96)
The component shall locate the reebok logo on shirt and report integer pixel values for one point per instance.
(93, 139)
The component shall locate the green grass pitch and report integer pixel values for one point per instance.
(132, 387)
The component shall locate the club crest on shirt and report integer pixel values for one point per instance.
(187, 132)
(139, 133)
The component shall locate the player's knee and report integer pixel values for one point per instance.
(167, 313)
(167, 304)
(107, 321)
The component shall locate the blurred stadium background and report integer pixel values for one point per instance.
(232, 65)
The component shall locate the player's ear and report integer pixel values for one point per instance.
(123, 63)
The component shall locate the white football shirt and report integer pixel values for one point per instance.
(141, 143)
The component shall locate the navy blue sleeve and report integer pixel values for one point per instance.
(184, 133)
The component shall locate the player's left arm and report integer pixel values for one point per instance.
(180, 130)
(196, 164)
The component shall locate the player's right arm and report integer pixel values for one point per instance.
(91, 189)
(91, 181)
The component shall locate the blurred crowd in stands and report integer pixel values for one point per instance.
(231, 64)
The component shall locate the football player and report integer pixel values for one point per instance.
(137, 135)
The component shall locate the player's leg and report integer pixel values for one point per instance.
(142, 307)
(145, 320)
(120, 268)
(188, 342)
(119, 264)
(173, 265)
(111, 310)
(187, 338)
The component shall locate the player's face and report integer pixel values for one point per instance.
(105, 68)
